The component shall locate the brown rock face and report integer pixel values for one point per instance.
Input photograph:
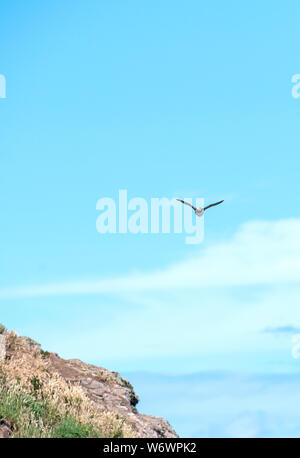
(5, 429)
(109, 391)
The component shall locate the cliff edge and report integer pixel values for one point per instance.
(43, 395)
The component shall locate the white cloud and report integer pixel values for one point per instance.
(260, 253)
(201, 313)
(187, 331)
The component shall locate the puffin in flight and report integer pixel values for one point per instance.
(198, 210)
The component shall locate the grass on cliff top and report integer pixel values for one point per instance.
(30, 415)
(37, 402)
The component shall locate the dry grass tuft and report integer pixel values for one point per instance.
(38, 402)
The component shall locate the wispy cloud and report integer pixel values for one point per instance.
(282, 330)
(204, 312)
(261, 253)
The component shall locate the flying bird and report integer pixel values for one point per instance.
(198, 210)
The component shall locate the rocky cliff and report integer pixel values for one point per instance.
(92, 399)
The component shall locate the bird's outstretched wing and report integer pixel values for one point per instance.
(187, 203)
(212, 205)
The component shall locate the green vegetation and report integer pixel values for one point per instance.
(44, 354)
(69, 427)
(32, 416)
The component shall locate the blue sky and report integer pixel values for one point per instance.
(164, 99)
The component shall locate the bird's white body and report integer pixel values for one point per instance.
(199, 211)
